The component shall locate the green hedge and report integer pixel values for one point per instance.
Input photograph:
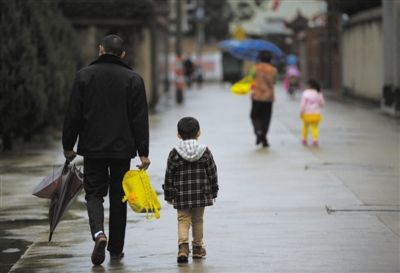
(38, 60)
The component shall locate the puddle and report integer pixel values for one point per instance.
(21, 223)
(55, 256)
(131, 221)
(50, 244)
(11, 250)
(32, 170)
(349, 167)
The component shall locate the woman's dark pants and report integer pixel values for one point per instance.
(261, 112)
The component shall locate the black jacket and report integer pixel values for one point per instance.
(108, 111)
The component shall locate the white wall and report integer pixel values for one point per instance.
(142, 51)
(362, 58)
(391, 28)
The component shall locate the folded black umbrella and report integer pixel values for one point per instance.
(62, 187)
(50, 184)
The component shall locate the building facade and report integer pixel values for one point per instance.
(142, 24)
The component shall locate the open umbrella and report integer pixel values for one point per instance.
(228, 44)
(249, 49)
(62, 187)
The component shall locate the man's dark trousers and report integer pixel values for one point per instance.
(101, 175)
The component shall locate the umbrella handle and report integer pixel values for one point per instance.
(66, 164)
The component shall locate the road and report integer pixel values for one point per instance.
(287, 208)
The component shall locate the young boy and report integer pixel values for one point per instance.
(191, 184)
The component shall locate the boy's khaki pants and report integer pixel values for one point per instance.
(190, 217)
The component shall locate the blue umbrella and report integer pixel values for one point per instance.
(249, 49)
(228, 44)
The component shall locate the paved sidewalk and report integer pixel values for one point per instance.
(271, 214)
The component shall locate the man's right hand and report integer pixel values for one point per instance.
(145, 163)
(69, 155)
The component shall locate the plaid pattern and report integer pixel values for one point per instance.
(190, 184)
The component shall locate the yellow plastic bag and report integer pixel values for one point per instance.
(243, 86)
(140, 194)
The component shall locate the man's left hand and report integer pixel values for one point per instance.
(145, 163)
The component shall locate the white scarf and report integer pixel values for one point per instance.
(190, 149)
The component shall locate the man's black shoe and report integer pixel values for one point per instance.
(265, 143)
(117, 256)
(99, 251)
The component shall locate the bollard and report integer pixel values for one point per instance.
(179, 79)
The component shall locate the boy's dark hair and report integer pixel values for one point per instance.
(314, 85)
(264, 56)
(188, 128)
(113, 44)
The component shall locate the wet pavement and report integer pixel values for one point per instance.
(288, 208)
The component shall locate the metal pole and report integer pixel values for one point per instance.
(167, 49)
(178, 51)
(154, 71)
(178, 44)
(200, 15)
(200, 28)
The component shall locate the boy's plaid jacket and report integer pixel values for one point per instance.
(190, 184)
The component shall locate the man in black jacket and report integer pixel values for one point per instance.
(108, 112)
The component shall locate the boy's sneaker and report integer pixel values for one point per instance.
(198, 252)
(183, 253)
(304, 142)
(99, 251)
(315, 143)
